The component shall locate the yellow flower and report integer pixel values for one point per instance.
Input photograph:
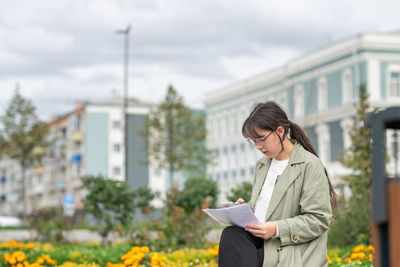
(40, 261)
(135, 249)
(109, 264)
(47, 247)
(21, 258)
(145, 249)
(128, 261)
(371, 248)
(12, 260)
(359, 248)
(127, 255)
(29, 246)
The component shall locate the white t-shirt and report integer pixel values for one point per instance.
(262, 203)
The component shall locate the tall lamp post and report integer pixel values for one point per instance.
(125, 32)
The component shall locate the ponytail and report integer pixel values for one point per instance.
(297, 133)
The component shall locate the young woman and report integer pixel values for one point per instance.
(292, 197)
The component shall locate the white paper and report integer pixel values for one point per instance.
(238, 215)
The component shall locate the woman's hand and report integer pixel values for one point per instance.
(239, 201)
(264, 230)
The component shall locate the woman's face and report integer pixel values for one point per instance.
(269, 143)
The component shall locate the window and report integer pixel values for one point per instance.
(242, 146)
(76, 169)
(298, 101)
(322, 93)
(251, 170)
(116, 124)
(347, 86)
(116, 171)
(78, 121)
(116, 148)
(63, 132)
(282, 100)
(233, 173)
(242, 172)
(394, 84)
(235, 123)
(227, 126)
(157, 172)
(219, 125)
(393, 81)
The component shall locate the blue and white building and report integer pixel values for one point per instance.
(318, 91)
(88, 141)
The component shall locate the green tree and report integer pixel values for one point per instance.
(143, 197)
(195, 192)
(111, 202)
(183, 222)
(352, 224)
(242, 191)
(175, 136)
(23, 138)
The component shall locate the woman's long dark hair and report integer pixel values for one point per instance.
(269, 116)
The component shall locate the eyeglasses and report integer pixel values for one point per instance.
(256, 142)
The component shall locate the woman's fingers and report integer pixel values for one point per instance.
(258, 233)
(240, 201)
(253, 226)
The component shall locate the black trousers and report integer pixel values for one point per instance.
(239, 248)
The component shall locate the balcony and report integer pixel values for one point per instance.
(76, 158)
(59, 185)
(62, 142)
(39, 170)
(37, 189)
(76, 136)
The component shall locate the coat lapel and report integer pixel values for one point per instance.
(290, 174)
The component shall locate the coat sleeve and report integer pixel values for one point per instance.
(315, 208)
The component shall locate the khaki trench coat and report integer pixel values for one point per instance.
(300, 205)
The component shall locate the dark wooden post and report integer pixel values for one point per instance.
(385, 192)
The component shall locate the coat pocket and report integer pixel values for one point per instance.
(290, 256)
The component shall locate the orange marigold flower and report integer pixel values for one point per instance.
(135, 249)
(145, 249)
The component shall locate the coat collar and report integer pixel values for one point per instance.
(290, 173)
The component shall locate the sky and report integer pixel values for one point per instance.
(61, 52)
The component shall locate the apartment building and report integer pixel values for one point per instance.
(89, 140)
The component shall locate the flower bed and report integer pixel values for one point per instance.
(16, 254)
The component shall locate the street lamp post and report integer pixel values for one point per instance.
(125, 32)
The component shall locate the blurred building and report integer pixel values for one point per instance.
(318, 91)
(87, 141)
